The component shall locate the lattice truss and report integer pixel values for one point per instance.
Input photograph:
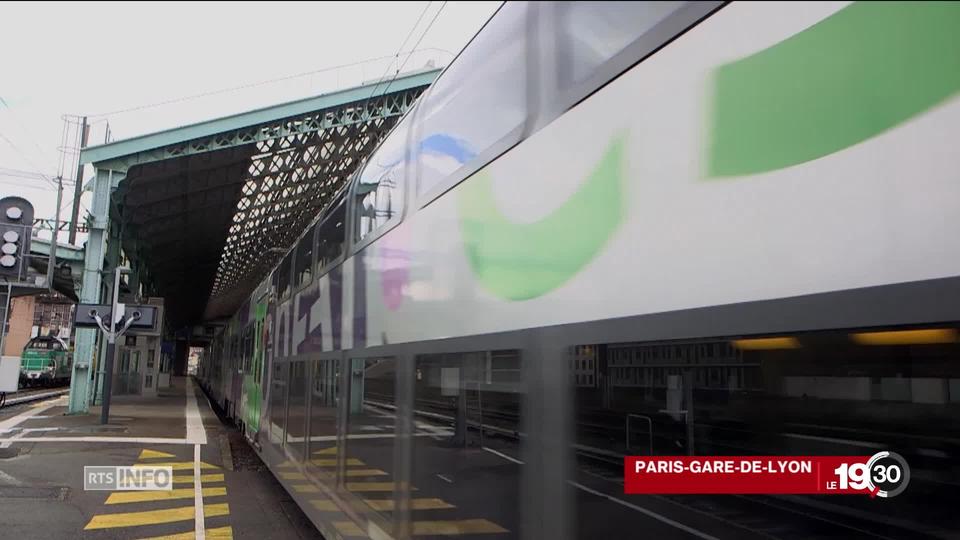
(292, 177)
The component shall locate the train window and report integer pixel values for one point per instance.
(283, 279)
(591, 33)
(466, 401)
(790, 394)
(278, 403)
(379, 190)
(324, 397)
(476, 110)
(304, 259)
(330, 236)
(297, 408)
(371, 407)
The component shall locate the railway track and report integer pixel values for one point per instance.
(27, 396)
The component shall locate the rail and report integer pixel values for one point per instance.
(11, 401)
(650, 429)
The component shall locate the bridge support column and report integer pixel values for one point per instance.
(90, 291)
(112, 260)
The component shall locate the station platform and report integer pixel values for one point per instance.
(43, 453)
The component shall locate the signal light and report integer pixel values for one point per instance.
(16, 222)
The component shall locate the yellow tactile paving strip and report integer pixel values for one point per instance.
(154, 517)
(426, 507)
(122, 497)
(204, 478)
(186, 513)
(327, 462)
(220, 533)
(177, 465)
(384, 505)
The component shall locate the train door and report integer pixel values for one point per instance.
(253, 378)
(236, 372)
(324, 401)
(369, 435)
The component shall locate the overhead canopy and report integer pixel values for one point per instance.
(204, 211)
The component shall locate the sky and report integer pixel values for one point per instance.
(114, 61)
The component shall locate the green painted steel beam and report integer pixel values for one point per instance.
(116, 155)
(65, 252)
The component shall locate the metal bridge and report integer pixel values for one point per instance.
(198, 210)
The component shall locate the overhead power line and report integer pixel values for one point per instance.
(396, 55)
(28, 160)
(4, 171)
(423, 35)
(246, 86)
(23, 127)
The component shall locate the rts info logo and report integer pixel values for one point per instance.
(136, 478)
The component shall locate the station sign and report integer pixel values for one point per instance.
(85, 316)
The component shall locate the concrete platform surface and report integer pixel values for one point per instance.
(43, 453)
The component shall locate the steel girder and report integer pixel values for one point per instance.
(297, 164)
(292, 178)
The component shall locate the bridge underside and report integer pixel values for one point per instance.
(203, 219)
(174, 216)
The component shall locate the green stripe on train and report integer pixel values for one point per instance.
(520, 261)
(850, 77)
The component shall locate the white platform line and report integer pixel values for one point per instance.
(11, 440)
(9, 480)
(132, 440)
(195, 431)
(504, 456)
(197, 435)
(25, 415)
(198, 526)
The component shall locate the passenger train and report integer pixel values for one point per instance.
(627, 228)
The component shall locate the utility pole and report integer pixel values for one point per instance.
(52, 259)
(6, 314)
(78, 188)
(117, 311)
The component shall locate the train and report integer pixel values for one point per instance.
(627, 228)
(46, 361)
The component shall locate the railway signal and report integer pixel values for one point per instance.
(16, 223)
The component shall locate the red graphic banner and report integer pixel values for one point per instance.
(762, 475)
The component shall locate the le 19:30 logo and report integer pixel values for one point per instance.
(885, 474)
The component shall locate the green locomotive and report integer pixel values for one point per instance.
(46, 361)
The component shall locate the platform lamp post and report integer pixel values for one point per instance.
(110, 331)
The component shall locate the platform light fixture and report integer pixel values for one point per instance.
(766, 343)
(926, 336)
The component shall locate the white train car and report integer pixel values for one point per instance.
(736, 221)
